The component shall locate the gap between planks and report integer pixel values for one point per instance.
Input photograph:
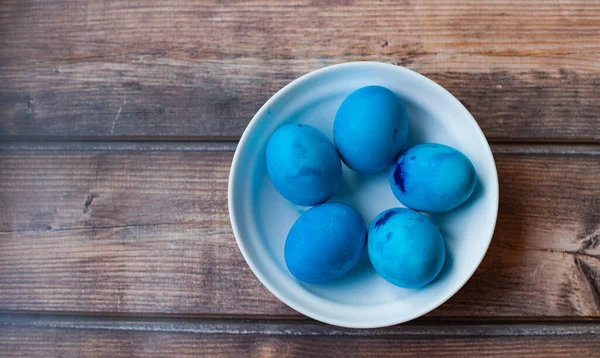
(540, 148)
(297, 328)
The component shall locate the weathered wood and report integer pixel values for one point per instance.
(282, 327)
(150, 69)
(127, 229)
(66, 336)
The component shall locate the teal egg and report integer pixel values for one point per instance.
(303, 164)
(325, 243)
(432, 177)
(370, 128)
(406, 248)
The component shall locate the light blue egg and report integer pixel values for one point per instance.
(370, 128)
(303, 164)
(406, 248)
(325, 243)
(432, 177)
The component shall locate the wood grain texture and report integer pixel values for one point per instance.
(293, 340)
(156, 69)
(144, 229)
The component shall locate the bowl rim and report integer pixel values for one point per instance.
(231, 200)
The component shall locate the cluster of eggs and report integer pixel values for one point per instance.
(370, 129)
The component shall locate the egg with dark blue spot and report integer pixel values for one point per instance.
(432, 177)
(303, 164)
(325, 243)
(406, 248)
(370, 128)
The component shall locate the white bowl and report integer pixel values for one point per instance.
(261, 217)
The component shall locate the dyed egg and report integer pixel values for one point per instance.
(370, 128)
(432, 178)
(406, 248)
(325, 243)
(303, 164)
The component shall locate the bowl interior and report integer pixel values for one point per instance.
(261, 217)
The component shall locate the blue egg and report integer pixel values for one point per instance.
(303, 164)
(432, 177)
(370, 128)
(406, 248)
(325, 243)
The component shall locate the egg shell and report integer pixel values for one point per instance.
(303, 164)
(325, 243)
(432, 177)
(406, 248)
(370, 128)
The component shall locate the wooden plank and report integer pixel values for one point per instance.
(129, 229)
(75, 336)
(150, 69)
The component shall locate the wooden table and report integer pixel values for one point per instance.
(119, 119)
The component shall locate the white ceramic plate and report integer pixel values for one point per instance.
(261, 217)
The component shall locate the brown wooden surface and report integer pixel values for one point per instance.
(46, 342)
(526, 69)
(118, 122)
(144, 229)
(68, 336)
